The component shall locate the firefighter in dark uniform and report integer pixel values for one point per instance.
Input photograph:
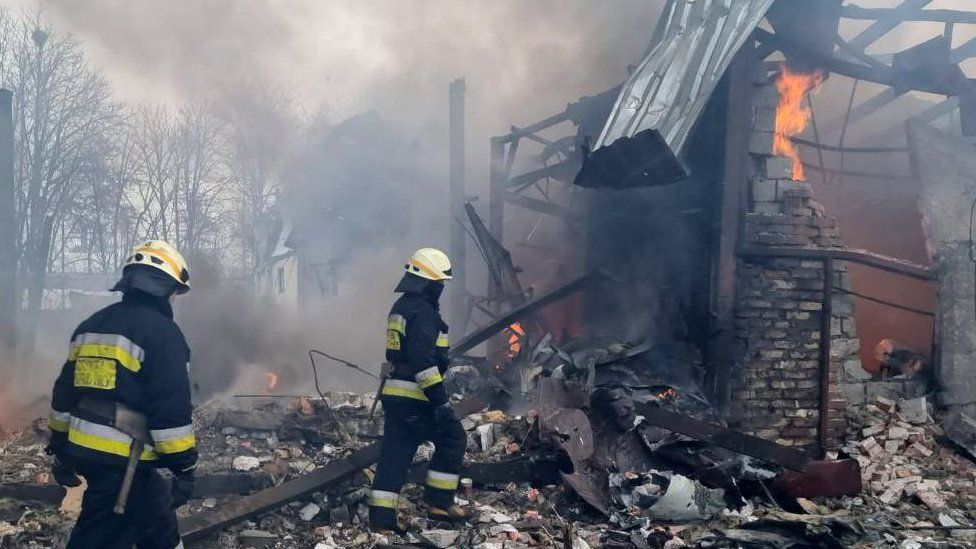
(129, 358)
(415, 402)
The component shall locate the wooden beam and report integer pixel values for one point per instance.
(887, 24)
(485, 333)
(735, 187)
(937, 16)
(938, 110)
(878, 75)
(195, 527)
(740, 443)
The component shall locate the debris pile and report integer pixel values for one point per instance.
(905, 470)
(575, 467)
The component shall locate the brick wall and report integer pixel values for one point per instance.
(776, 391)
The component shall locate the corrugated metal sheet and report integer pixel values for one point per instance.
(670, 87)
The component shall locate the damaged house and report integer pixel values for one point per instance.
(730, 303)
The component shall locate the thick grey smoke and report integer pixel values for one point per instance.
(522, 62)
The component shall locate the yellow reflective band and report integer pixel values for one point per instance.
(380, 498)
(95, 350)
(175, 446)
(103, 438)
(177, 271)
(429, 377)
(401, 388)
(396, 323)
(442, 481)
(443, 340)
(173, 440)
(58, 421)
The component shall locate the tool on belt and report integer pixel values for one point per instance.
(386, 370)
(129, 422)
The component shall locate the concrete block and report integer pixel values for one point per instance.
(761, 143)
(765, 96)
(765, 190)
(778, 167)
(884, 388)
(853, 392)
(770, 208)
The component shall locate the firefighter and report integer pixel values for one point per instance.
(415, 402)
(129, 357)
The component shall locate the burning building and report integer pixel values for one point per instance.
(698, 184)
(679, 316)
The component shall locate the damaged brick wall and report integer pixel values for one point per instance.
(776, 391)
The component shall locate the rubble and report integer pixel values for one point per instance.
(663, 489)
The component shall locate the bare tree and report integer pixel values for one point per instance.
(261, 128)
(61, 107)
(199, 176)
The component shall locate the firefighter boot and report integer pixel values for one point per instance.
(453, 514)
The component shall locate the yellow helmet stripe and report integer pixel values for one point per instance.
(177, 271)
(426, 269)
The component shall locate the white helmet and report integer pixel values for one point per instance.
(429, 263)
(163, 256)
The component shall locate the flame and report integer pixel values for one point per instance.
(515, 339)
(272, 381)
(791, 116)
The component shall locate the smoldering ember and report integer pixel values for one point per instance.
(708, 273)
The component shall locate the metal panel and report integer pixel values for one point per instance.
(671, 85)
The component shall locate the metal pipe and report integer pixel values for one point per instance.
(826, 321)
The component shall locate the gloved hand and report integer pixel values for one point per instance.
(182, 489)
(444, 414)
(64, 472)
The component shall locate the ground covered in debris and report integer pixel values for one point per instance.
(918, 490)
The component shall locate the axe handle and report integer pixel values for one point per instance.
(135, 452)
(379, 391)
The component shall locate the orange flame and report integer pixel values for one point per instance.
(791, 116)
(515, 339)
(272, 381)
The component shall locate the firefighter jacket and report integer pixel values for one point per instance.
(133, 353)
(417, 344)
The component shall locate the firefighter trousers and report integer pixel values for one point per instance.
(408, 423)
(148, 522)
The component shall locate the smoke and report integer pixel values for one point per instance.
(522, 60)
(236, 338)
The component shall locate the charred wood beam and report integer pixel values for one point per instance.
(484, 333)
(222, 484)
(536, 470)
(936, 15)
(887, 24)
(878, 75)
(207, 485)
(730, 439)
(207, 522)
(541, 206)
(51, 494)
(861, 257)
